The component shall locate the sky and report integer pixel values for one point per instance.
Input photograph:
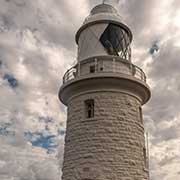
(37, 46)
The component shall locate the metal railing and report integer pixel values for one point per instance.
(70, 74)
(132, 69)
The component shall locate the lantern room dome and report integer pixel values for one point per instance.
(103, 12)
(103, 8)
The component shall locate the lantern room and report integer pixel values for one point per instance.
(104, 34)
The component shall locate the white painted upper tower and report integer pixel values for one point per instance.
(104, 93)
(103, 33)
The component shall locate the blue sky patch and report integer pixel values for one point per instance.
(154, 49)
(39, 140)
(6, 130)
(61, 132)
(46, 119)
(13, 83)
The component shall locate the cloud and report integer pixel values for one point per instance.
(27, 164)
(32, 61)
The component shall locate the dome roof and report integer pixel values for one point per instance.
(103, 12)
(103, 8)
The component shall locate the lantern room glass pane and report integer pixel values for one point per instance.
(116, 41)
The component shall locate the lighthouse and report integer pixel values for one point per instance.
(104, 93)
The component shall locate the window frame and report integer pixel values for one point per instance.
(89, 108)
(92, 68)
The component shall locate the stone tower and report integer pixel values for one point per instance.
(104, 93)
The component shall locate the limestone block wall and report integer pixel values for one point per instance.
(109, 146)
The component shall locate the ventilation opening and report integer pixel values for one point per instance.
(101, 68)
(92, 69)
(89, 108)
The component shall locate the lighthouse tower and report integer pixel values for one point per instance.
(104, 93)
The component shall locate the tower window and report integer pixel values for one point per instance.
(92, 69)
(89, 108)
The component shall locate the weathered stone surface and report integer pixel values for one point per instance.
(107, 146)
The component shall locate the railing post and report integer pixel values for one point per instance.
(96, 65)
(131, 68)
(79, 68)
(142, 76)
(114, 64)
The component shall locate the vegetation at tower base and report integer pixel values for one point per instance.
(104, 93)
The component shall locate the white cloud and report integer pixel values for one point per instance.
(26, 162)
